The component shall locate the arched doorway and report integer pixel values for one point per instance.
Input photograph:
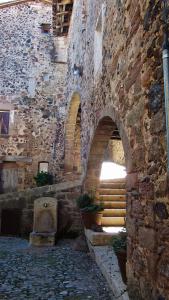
(108, 135)
(109, 144)
(113, 165)
(73, 136)
(108, 147)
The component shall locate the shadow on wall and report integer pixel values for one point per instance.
(73, 136)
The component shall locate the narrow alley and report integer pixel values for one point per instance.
(57, 273)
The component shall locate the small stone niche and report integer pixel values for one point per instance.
(45, 222)
(45, 27)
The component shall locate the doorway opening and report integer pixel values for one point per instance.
(106, 174)
(11, 221)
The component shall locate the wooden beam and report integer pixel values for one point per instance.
(65, 2)
(62, 25)
(63, 13)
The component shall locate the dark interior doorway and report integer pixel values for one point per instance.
(11, 222)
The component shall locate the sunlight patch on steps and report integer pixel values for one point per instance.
(112, 230)
(111, 170)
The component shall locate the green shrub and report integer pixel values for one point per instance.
(43, 178)
(93, 208)
(119, 242)
(86, 203)
(83, 201)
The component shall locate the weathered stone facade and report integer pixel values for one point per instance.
(32, 88)
(127, 88)
(21, 204)
(115, 72)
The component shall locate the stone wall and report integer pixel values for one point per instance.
(65, 193)
(116, 152)
(32, 88)
(130, 91)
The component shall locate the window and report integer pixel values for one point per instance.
(4, 122)
(45, 27)
(43, 166)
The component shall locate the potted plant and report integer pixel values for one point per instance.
(43, 178)
(119, 243)
(91, 212)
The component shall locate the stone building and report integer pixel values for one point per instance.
(112, 95)
(115, 70)
(32, 97)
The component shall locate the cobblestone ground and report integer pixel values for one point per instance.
(57, 273)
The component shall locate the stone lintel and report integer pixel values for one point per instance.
(12, 158)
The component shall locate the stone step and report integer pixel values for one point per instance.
(112, 195)
(113, 180)
(114, 212)
(106, 191)
(112, 221)
(114, 204)
(103, 198)
(112, 185)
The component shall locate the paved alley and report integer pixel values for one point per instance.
(57, 273)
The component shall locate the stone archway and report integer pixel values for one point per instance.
(107, 123)
(73, 136)
(99, 145)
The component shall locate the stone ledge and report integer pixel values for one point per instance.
(98, 238)
(15, 158)
(39, 191)
(108, 264)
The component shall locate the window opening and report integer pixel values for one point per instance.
(43, 166)
(4, 122)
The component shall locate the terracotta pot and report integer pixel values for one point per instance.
(122, 259)
(91, 218)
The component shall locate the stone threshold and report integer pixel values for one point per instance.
(108, 264)
(98, 238)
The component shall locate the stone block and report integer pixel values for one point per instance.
(42, 239)
(161, 211)
(147, 238)
(45, 222)
(132, 181)
(45, 215)
(98, 238)
(131, 226)
(146, 189)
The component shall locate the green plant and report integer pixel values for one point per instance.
(93, 208)
(86, 203)
(43, 178)
(83, 201)
(119, 242)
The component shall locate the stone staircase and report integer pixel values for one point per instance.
(112, 194)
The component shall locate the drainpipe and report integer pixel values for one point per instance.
(166, 75)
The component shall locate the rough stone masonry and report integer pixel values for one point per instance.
(125, 82)
(32, 87)
(115, 66)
